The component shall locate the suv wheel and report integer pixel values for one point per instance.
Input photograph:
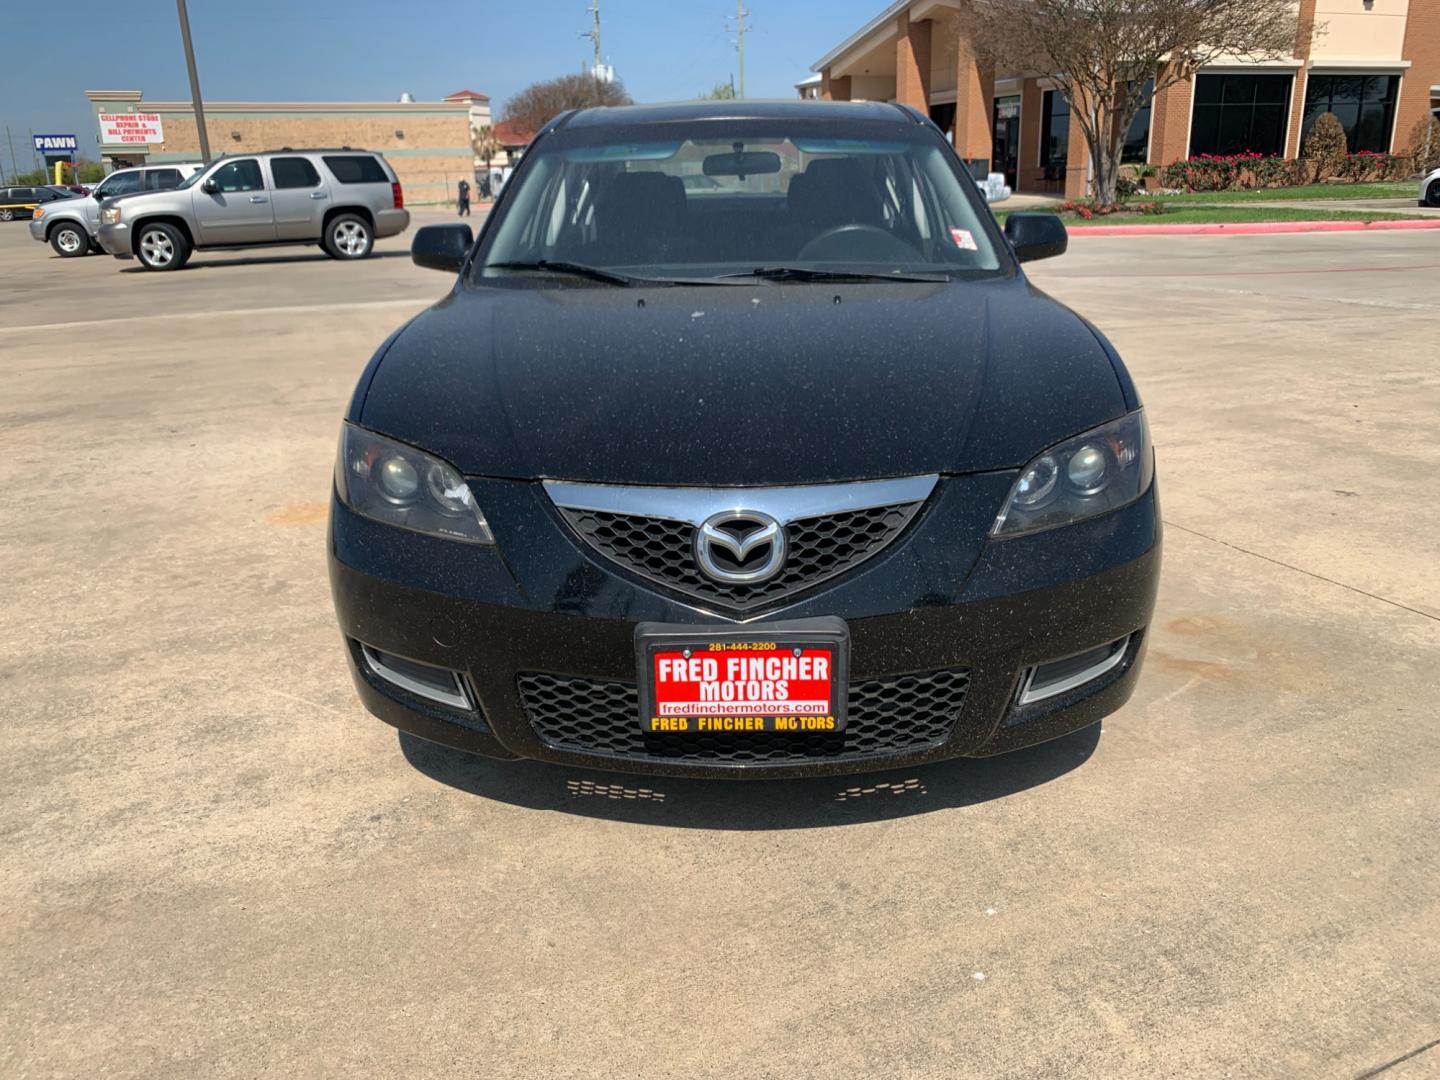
(1432, 194)
(348, 236)
(7, 215)
(69, 240)
(161, 247)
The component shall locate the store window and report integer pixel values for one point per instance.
(1137, 137)
(1364, 105)
(1054, 134)
(1238, 113)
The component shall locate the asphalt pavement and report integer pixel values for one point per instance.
(214, 863)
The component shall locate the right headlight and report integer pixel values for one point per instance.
(1094, 473)
(387, 481)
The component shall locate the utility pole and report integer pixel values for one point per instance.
(14, 169)
(740, 29)
(594, 35)
(194, 81)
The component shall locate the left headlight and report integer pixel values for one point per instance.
(110, 215)
(1091, 474)
(388, 481)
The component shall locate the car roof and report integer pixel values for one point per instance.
(851, 111)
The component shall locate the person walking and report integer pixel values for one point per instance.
(464, 198)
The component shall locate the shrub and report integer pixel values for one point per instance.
(1231, 172)
(1368, 165)
(1326, 145)
(1425, 144)
(1085, 209)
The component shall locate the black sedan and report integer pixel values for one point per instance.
(787, 472)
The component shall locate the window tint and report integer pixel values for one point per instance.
(21, 194)
(1055, 131)
(236, 176)
(293, 172)
(359, 169)
(1236, 113)
(162, 179)
(46, 194)
(1137, 137)
(1364, 105)
(120, 183)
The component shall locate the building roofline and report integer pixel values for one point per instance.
(891, 12)
(309, 106)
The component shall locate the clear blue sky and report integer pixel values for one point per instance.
(371, 50)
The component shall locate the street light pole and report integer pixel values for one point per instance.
(194, 81)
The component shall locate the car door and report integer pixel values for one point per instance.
(232, 205)
(300, 196)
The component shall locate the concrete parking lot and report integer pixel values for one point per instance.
(215, 864)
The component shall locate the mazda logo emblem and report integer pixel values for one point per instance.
(740, 547)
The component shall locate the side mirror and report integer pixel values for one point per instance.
(1036, 236)
(210, 187)
(442, 247)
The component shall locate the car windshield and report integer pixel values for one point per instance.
(721, 199)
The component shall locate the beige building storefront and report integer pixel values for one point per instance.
(426, 142)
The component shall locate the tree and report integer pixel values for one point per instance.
(1103, 53)
(539, 103)
(1327, 145)
(1425, 145)
(721, 91)
(484, 143)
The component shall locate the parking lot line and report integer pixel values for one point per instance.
(289, 309)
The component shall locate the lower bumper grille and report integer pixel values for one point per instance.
(894, 715)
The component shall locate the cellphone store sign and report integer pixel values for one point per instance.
(131, 128)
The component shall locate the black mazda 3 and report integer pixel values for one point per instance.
(743, 447)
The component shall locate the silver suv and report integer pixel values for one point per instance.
(341, 199)
(69, 226)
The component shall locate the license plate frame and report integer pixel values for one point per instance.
(826, 636)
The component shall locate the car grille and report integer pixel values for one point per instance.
(819, 548)
(893, 715)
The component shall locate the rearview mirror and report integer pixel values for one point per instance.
(1036, 236)
(442, 247)
(754, 163)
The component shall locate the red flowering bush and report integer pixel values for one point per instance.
(1231, 172)
(1086, 209)
(1369, 165)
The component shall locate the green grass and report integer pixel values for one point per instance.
(1227, 215)
(1387, 190)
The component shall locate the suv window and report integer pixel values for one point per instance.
(360, 169)
(241, 175)
(22, 194)
(162, 179)
(120, 183)
(47, 194)
(293, 172)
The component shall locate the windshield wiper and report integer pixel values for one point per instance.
(804, 273)
(594, 273)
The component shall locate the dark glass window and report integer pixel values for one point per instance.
(1364, 105)
(360, 169)
(1137, 136)
(162, 179)
(1238, 113)
(237, 176)
(944, 117)
(120, 183)
(1054, 130)
(293, 172)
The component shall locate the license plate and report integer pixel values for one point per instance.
(786, 677)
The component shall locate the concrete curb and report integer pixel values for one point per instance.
(1255, 228)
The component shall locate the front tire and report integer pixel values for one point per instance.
(7, 215)
(161, 247)
(348, 237)
(69, 240)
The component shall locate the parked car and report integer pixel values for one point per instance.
(1430, 189)
(341, 199)
(20, 202)
(797, 476)
(70, 227)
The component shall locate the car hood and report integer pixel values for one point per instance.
(788, 384)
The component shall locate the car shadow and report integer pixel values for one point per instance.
(808, 803)
(205, 262)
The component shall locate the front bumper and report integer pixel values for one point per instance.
(542, 608)
(115, 239)
(37, 228)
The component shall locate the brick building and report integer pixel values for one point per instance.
(426, 142)
(1376, 65)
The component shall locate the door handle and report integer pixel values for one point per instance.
(258, 198)
(318, 195)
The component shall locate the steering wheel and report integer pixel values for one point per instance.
(861, 243)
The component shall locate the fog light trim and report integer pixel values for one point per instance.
(456, 698)
(1035, 685)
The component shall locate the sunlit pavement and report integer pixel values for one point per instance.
(214, 863)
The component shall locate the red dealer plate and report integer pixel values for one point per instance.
(784, 677)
